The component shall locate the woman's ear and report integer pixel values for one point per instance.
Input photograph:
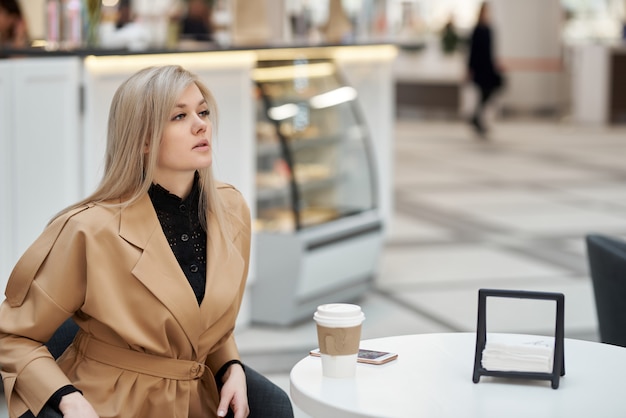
(146, 147)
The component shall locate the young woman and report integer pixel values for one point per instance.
(152, 267)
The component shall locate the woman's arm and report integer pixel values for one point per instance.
(45, 288)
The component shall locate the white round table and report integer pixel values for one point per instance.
(432, 378)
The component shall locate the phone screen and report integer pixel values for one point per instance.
(368, 356)
(371, 354)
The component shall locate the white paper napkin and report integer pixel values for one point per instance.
(519, 353)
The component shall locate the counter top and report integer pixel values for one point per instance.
(200, 47)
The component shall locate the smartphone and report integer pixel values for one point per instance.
(367, 356)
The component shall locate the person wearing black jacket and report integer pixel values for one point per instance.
(482, 69)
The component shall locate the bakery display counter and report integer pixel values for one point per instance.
(316, 197)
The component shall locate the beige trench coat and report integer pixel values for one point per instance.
(113, 270)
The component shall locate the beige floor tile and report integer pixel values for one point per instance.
(458, 264)
(458, 306)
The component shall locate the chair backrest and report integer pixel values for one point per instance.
(607, 266)
(62, 337)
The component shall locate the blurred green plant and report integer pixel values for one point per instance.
(92, 10)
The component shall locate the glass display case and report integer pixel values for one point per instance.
(316, 194)
(313, 162)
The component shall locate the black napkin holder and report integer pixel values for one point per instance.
(558, 369)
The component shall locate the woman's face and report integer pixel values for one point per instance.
(186, 142)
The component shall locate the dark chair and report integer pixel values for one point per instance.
(264, 397)
(607, 266)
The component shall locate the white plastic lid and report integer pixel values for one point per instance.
(339, 315)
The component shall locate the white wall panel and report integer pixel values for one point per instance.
(39, 149)
(590, 83)
(527, 36)
(46, 143)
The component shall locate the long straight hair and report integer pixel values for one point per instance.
(139, 111)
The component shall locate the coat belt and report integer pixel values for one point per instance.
(136, 361)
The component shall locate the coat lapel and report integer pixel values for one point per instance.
(158, 268)
(225, 271)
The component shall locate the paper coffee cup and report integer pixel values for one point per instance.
(339, 334)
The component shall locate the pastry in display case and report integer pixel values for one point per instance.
(316, 199)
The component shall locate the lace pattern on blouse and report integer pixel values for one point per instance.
(185, 235)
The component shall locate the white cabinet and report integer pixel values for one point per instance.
(41, 165)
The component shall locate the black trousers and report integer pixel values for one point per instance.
(486, 92)
(264, 398)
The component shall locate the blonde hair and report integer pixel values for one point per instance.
(139, 111)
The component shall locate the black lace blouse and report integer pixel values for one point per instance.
(181, 225)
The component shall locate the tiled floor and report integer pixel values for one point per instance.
(510, 212)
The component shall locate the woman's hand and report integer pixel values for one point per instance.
(234, 393)
(74, 405)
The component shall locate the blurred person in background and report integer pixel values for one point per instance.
(13, 30)
(483, 71)
(196, 24)
(124, 14)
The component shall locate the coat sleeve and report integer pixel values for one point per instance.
(242, 240)
(46, 287)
